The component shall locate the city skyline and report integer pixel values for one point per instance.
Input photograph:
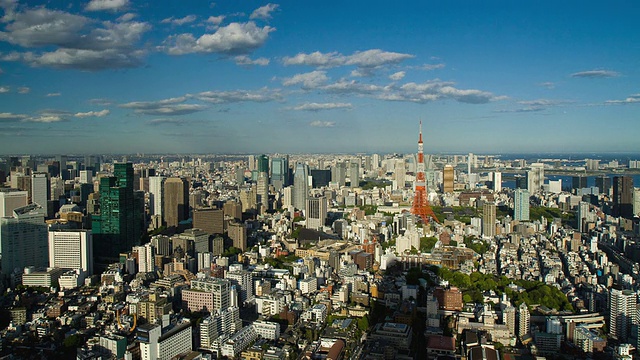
(119, 76)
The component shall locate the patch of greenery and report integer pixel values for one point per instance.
(479, 246)
(232, 250)
(370, 184)
(369, 209)
(427, 243)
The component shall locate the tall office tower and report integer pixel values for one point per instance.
(287, 197)
(233, 209)
(521, 182)
(583, 215)
(469, 165)
(238, 233)
(263, 189)
(300, 186)
(489, 220)
(497, 181)
(367, 163)
(535, 177)
(592, 164)
(244, 283)
(399, 174)
(421, 207)
(11, 199)
(524, 320)
(316, 212)
(623, 196)
(209, 220)
(622, 313)
(176, 201)
(146, 257)
(220, 288)
(447, 179)
(578, 182)
(339, 174)
(320, 178)
(156, 195)
(248, 198)
(40, 190)
(604, 184)
(354, 173)
(279, 172)
(62, 165)
(120, 223)
(636, 201)
(263, 164)
(23, 239)
(251, 162)
(22, 182)
(521, 205)
(375, 161)
(198, 237)
(86, 177)
(509, 319)
(163, 244)
(71, 249)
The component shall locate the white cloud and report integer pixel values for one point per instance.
(308, 80)
(224, 97)
(370, 59)
(23, 90)
(397, 76)
(596, 74)
(548, 85)
(216, 20)
(11, 117)
(631, 99)
(322, 106)
(235, 38)
(319, 123)
(102, 5)
(45, 119)
(53, 94)
(264, 12)
(101, 113)
(4, 89)
(429, 67)
(127, 17)
(179, 21)
(167, 107)
(244, 60)
(343, 86)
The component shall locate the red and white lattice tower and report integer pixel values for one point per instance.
(421, 205)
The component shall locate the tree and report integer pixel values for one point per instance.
(363, 323)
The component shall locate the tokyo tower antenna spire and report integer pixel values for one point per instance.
(421, 205)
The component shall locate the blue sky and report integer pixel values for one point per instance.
(122, 76)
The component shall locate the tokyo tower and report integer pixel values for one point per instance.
(421, 205)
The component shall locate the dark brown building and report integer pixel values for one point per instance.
(209, 220)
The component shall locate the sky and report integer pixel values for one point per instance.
(125, 76)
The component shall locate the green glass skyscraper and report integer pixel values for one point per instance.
(119, 225)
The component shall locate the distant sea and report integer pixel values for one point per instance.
(566, 181)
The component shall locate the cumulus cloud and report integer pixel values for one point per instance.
(216, 20)
(429, 67)
(308, 80)
(631, 99)
(127, 17)
(4, 89)
(596, 74)
(109, 5)
(45, 118)
(264, 12)
(319, 123)
(234, 39)
(101, 113)
(165, 121)
(101, 102)
(397, 76)
(11, 117)
(368, 59)
(225, 97)
(322, 106)
(244, 60)
(179, 21)
(53, 94)
(77, 41)
(23, 90)
(435, 90)
(166, 107)
(343, 86)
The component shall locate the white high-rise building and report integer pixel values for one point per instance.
(156, 195)
(521, 205)
(300, 186)
(40, 191)
(86, 176)
(622, 313)
(497, 181)
(11, 199)
(316, 212)
(146, 258)
(524, 320)
(535, 177)
(71, 249)
(154, 345)
(23, 239)
(243, 281)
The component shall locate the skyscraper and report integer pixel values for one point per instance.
(263, 190)
(316, 212)
(622, 311)
(279, 172)
(604, 184)
(23, 239)
(339, 173)
(156, 195)
(447, 179)
(535, 177)
(300, 186)
(40, 190)
(354, 173)
(578, 182)
(11, 199)
(176, 201)
(497, 181)
(521, 205)
(120, 223)
(238, 233)
(623, 196)
(489, 220)
(524, 320)
(71, 249)
(263, 164)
